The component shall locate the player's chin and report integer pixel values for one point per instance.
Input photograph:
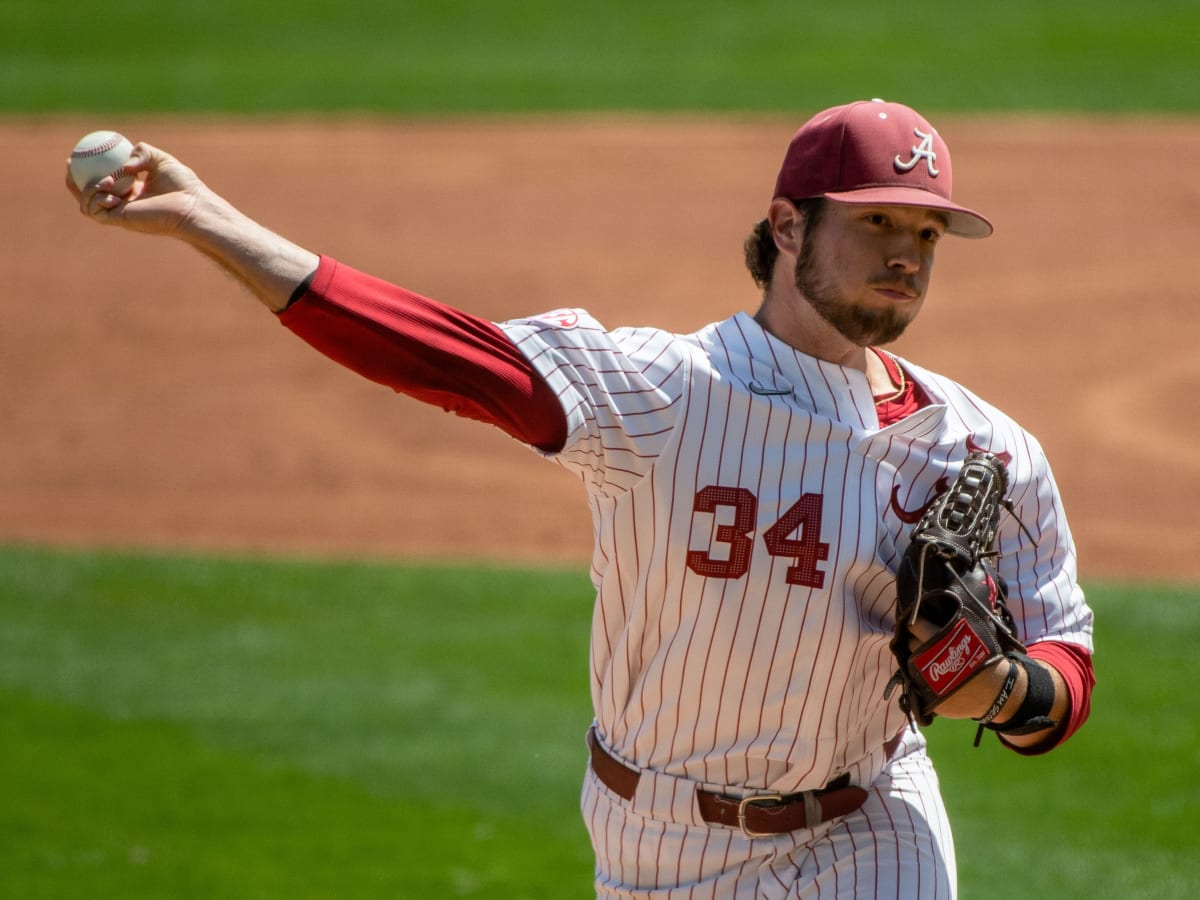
(894, 317)
(881, 326)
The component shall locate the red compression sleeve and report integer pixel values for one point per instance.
(430, 351)
(1074, 664)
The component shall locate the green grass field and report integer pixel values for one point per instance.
(198, 728)
(439, 56)
(189, 727)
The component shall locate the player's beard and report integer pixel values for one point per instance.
(861, 324)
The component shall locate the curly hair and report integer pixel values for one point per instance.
(760, 249)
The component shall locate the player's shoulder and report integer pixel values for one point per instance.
(976, 416)
(580, 328)
(963, 400)
(557, 320)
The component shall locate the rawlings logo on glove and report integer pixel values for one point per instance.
(947, 580)
(956, 655)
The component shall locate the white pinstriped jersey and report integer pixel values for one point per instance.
(749, 516)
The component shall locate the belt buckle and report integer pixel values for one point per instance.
(754, 800)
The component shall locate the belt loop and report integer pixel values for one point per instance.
(813, 813)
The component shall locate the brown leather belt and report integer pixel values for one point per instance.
(758, 814)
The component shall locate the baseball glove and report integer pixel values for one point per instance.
(947, 578)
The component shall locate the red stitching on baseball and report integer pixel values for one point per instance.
(110, 144)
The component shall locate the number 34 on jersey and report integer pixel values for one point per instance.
(795, 536)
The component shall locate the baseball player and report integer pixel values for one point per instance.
(753, 486)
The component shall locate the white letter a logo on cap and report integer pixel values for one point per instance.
(923, 151)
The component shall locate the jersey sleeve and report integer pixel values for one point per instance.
(620, 391)
(1040, 566)
(427, 350)
(1053, 615)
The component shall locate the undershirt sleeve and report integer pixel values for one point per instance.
(427, 350)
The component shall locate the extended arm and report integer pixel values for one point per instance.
(169, 199)
(409, 343)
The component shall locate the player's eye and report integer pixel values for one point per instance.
(931, 235)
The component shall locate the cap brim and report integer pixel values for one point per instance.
(960, 221)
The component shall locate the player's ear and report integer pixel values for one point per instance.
(787, 226)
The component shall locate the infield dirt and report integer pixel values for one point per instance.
(147, 401)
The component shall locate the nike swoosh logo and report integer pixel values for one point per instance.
(756, 388)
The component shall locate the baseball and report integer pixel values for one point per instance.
(99, 154)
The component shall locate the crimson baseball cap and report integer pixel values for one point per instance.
(870, 152)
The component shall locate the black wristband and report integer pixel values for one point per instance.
(1034, 712)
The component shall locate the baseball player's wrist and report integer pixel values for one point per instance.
(1007, 690)
(1007, 702)
(975, 699)
(1038, 704)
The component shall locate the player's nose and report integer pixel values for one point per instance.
(906, 253)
